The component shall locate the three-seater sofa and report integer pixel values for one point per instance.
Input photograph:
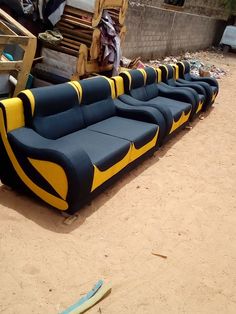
(63, 142)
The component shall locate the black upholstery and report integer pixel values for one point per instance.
(64, 142)
(169, 79)
(137, 132)
(210, 84)
(79, 132)
(103, 150)
(141, 88)
(53, 104)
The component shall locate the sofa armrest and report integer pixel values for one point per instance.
(183, 83)
(29, 145)
(210, 80)
(177, 94)
(141, 113)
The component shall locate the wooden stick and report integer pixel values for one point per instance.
(160, 255)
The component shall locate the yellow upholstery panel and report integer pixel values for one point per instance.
(44, 195)
(78, 89)
(136, 153)
(144, 75)
(112, 85)
(54, 174)
(176, 124)
(176, 70)
(14, 113)
(158, 75)
(102, 176)
(199, 106)
(119, 84)
(30, 96)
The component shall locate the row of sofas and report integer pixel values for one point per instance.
(66, 142)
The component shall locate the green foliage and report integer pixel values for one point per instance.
(230, 5)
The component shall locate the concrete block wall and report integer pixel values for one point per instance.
(153, 31)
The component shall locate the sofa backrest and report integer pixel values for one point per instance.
(141, 84)
(53, 111)
(168, 74)
(184, 69)
(96, 99)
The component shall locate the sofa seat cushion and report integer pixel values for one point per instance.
(179, 110)
(138, 132)
(103, 150)
(142, 135)
(176, 107)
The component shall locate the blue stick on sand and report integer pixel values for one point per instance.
(81, 301)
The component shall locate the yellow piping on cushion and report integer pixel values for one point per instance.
(129, 77)
(137, 152)
(176, 124)
(100, 177)
(54, 174)
(158, 75)
(47, 197)
(30, 96)
(78, 89)
(112, 86)
(119, 83)
(14, 113)
(183, 67)
(167, 71)
(176, 71)
(144, 75)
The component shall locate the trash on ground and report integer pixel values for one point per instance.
(99, 291)
(198, 67)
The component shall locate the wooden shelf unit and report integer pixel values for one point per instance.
(26, 40)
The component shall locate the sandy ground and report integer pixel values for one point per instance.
(181, 203)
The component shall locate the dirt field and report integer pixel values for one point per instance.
(181, 203)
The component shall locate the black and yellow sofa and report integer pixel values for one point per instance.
(168, 74)
(210, 84)
(141, 88)
(63, 142)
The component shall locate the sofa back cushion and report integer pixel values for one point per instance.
(141, 84)
(53, 111)
(96, 99)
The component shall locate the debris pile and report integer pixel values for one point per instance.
(198, 67)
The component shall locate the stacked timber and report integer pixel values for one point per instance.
(79, 26)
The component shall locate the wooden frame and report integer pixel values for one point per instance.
(117, 9)
(122, 5)
(26, 40)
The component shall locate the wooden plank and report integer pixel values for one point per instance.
(27, 64)
(75, 23)
(16, 24)
(6, 29)
(69, 9)
(76, 19)
(27, 41)
(64, 24)
(76, 38)
(68, 44)
(10, 65)
(71, 41)
(13, 39)
(70, 51)
(76, 33)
